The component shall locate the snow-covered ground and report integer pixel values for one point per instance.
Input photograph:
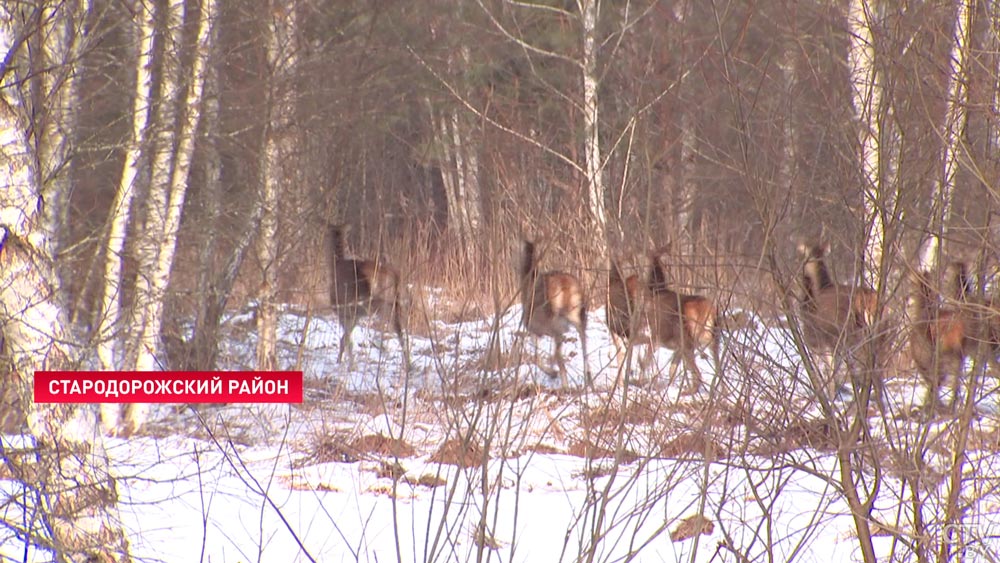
(547, 474)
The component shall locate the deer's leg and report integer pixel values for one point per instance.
(588, 377)
(560, 363)
(396, 313)
(348, 315)
(675, 363)
(620, 355)
(694, 373)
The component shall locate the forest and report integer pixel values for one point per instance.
(187, 185)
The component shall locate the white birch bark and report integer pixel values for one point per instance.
(683, 197)
(589, 13)
(467, 164)
(205, 340)
(954, 123)
(144, 352)
(71, 468)
(158, 277)
(63, 33)
(278, 170)
(867, 104)
(109, 338)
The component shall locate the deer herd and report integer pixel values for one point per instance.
(837, 322)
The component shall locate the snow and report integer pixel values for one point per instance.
(279, 482)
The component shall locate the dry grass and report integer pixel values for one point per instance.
(461, 453)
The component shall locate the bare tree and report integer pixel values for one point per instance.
(67, 479)
(866, 100)
(172, 165)
(63, 42)
(955, 118)
(109, 315)
(590, 11)
(278, 167)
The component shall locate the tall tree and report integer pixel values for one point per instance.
(866, 100)
(278, 172)
(70, 487)
(590, 11)
(171, 164)
(109, 341)
(63, 40)
(955, 117)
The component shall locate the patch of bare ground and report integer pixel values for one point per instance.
(461, 453)
(643, 410)
(589, 450)
(341, 447)
(294, 483)
(691, 527)
(543, 449)
(813, 434)
(329, 448)
(377, 445)
(688, 444)
(429, 481)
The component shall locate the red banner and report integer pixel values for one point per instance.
(168, 387)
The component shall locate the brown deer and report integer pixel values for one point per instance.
(551, 303)
(940, 334)
(360, 287)
(626, 315)
(682, 323)
(836, 318)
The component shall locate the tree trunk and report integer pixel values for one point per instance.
(109, 339)
(144, 352)
(589, 13)
(156, 274)
(64, 37)
(205, 340)
(280, 149)
(69, 468)
(954, 123)
(682, 199)
(867, 103)
(878, 205)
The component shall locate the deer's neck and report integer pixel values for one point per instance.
(817, 275)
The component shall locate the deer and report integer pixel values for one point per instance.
(944, 334)
(625, 314)
(680, 322)
(359, 287)
(552, 302)
(836, 319)
(941, 335)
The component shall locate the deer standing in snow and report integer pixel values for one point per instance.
(836, 318)
(551, 303)
(359, 287)
(681, 322)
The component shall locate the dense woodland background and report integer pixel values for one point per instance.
(167, 161)
(444, 131)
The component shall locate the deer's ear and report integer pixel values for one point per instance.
(803, 248)
(826, 248)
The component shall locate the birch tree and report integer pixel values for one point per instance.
(954, 121)
(682, 198)
(63, 42)
(589, 13)
(166, 201)
(278, 167)
(866, 100)
(109, 339)
(143, 353)
(70, 489)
